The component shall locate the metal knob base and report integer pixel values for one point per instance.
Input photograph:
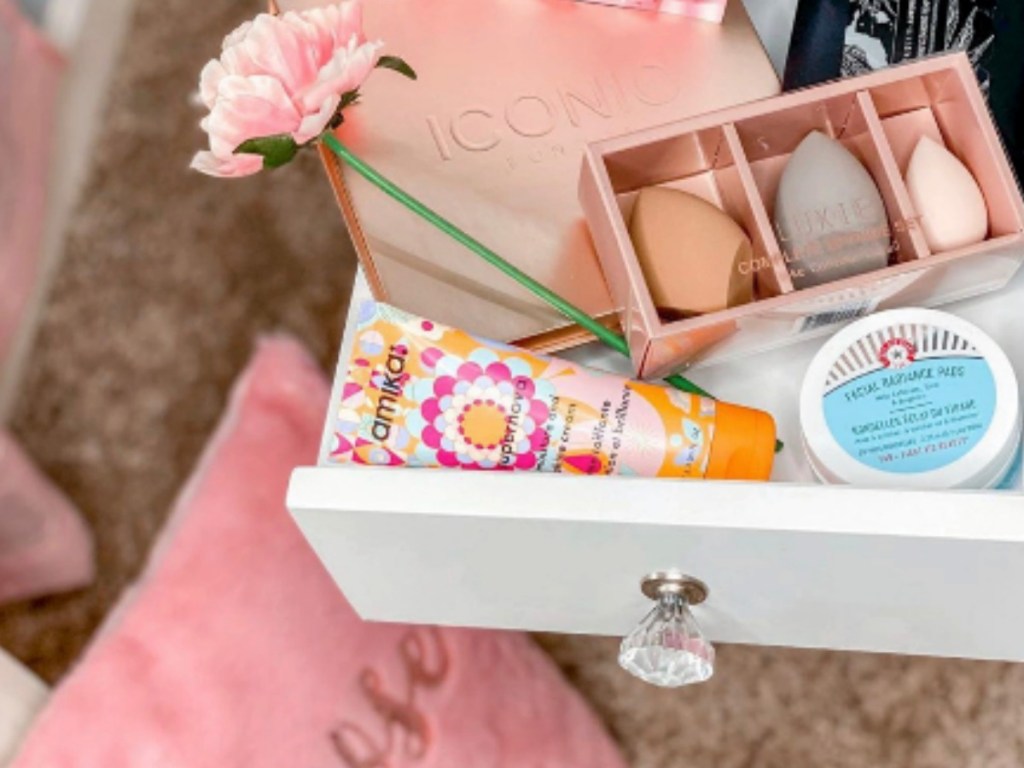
(656, 585)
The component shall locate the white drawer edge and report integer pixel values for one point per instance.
(972, 515)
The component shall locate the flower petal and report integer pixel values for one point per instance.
(234, 57)
(209, 79)
(249, 108)
(314, 124)
(278, 49)
(236, 61)
(228, 168)
(345, 72)
(238, 34)
(347, 22)
(317, 36)
(335, 26)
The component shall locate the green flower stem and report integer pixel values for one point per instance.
(614, 340)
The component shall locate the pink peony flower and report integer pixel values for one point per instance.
(281, 76)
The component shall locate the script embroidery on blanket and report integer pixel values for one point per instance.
(425, 662)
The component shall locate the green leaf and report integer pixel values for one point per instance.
(398, 65)
(275, 150)
(349, 97)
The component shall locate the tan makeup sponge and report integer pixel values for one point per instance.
(947, 198)
(692, 254)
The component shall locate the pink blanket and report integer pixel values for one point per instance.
(30, 71)
(45, 546)
(236, 648)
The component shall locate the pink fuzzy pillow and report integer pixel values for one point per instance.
(236, 648)
(29, 81)
(45, 545)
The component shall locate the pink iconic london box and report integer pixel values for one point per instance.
(736, 160)
(491, 136)
(708, 10)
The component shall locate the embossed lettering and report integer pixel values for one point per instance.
(655, 85)
(438, 133)
(533, 115)
(405, 729)
(458, 131)
(598, 105)
(523, 120)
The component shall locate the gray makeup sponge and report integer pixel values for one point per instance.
(829, 215)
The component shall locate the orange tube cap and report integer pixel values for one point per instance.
(744, 444)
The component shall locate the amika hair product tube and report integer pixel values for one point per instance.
(419, 394)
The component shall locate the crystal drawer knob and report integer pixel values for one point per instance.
(668, 649)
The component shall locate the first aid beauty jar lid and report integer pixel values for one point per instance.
(911, 398)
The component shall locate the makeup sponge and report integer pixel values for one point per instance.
(691, 253)
(947, 198)
(829, 214)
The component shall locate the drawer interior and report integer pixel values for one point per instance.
(771, 381)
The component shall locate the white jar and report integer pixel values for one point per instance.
(912, 398)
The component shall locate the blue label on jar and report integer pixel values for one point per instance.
(920, 417)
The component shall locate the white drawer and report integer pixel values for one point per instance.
(787, 563)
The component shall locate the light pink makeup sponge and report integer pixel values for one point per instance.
(947, 198)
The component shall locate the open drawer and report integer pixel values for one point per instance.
(787, 563)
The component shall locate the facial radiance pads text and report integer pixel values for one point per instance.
(911, 398)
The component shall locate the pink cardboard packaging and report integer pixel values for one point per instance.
(708, 10)
(735, 157)
(492, 134)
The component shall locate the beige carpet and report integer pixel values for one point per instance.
(170, 276)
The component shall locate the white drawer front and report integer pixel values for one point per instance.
(904, 572)
(788, 563)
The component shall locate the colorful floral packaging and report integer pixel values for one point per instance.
(419, 394)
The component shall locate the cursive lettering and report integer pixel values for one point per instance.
(404, 729)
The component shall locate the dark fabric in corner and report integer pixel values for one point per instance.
(843, 38)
